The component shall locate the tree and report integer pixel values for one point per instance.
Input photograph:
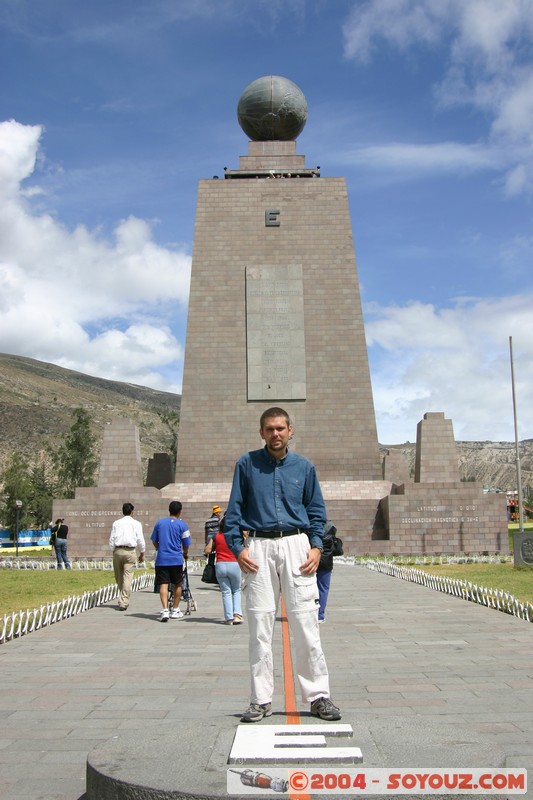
(42, 495)
(75, 460)
(17, 486)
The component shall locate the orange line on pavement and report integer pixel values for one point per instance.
(293, 716)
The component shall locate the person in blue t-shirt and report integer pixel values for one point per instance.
(171, 538)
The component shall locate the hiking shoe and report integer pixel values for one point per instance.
(164, 615)
(256, 712)
(176, 614)
(323, 707)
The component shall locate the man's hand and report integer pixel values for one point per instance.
(141, 558)
(246, 563)
(310, 566)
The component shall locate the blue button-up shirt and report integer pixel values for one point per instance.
(268, 494)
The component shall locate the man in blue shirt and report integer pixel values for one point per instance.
(171, 539)
(277, 498)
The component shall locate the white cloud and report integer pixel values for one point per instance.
(53, 22)
(18, 151)
(423, 158)
(141, 350)
(490, 31)
(75, 298)
(488, 66)
(454, 360)
(399, 22)
(515, 113)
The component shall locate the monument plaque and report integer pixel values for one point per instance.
(275, 333)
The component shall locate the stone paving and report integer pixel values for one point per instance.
(406, 662)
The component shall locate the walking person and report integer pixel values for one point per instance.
(212, 525)
(59, 540)
(126, 538)
(171, 539)
(276, 496)
(228, 575)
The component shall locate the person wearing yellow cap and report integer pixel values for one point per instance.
(212, 526)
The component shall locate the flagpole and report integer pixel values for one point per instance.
(518, 471)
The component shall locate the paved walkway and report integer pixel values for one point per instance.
(424, 679)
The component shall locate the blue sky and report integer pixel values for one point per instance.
(110, 113)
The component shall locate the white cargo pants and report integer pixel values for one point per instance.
(279, 570)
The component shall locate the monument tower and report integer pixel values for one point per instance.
(275, 319)
(274, 312)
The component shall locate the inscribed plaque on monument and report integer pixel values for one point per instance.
(275, 336)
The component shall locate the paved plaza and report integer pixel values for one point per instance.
(424, 678)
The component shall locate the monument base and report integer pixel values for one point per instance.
(193, 761)
(427, 518)
(437, 515)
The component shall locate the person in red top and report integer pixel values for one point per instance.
(228, 575)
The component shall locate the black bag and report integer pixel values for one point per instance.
(52, 538)
(209, 574)
(337, 546)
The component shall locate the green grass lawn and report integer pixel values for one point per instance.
(28, 589)
(514, 580)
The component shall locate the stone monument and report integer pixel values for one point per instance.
(274, 312)
(437, 512)
(275, 319)
(90, 514)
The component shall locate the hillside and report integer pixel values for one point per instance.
(37, 400)
(491, 463)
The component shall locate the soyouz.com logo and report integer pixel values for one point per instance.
(363, 782)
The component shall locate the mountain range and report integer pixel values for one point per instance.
(37, 400)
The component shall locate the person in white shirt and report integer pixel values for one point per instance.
(126, 537)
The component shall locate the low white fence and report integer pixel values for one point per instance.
(105, 564)
(12, 562)
(19, 623)
(492, 598)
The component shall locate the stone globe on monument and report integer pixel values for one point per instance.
(272, 108)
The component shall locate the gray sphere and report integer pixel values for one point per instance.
(272, 108)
